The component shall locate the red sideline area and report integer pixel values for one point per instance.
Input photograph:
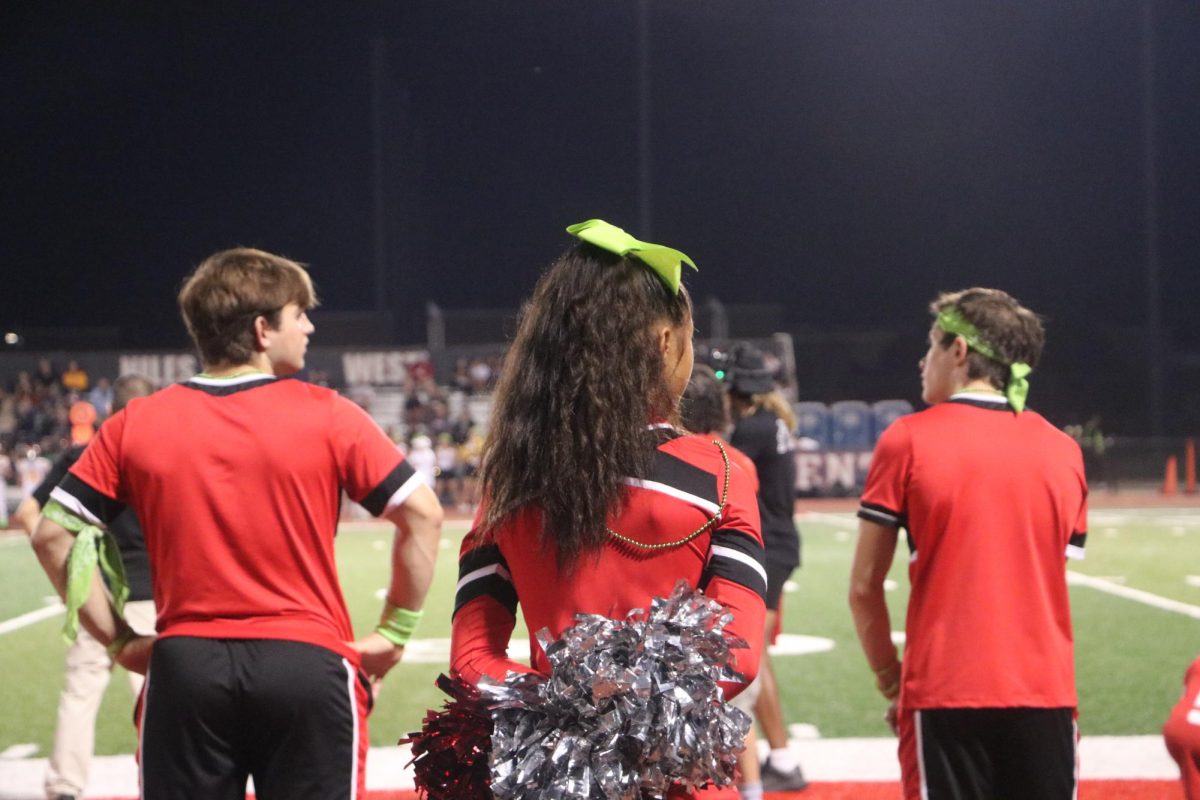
(1088, 790)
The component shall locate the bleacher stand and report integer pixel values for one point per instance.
(851, 426)
(812, 424)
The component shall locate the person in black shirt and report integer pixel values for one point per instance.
(763, 425)
(88, 664)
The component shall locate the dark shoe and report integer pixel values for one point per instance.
(775, 780)
(65, 797)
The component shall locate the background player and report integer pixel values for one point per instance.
(763, 425)
(87, 664)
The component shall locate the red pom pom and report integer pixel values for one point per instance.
(452, 750)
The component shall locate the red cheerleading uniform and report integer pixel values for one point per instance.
(1182, 733)
(515, 566)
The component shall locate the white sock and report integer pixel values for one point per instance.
(751, 791)
(782, 759)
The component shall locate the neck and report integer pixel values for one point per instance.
(260, 363)
(978, 385)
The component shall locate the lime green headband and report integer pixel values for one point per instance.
(951, 320)
(667, 262)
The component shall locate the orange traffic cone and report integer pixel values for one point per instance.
(1171, 478)
(1189, 467)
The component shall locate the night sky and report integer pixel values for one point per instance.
(846, 159)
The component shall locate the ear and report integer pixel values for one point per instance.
(262, 331)
(665, 340)
(961, 350)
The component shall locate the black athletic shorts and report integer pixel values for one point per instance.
(217, 711)
(777, 575)
(981, 753)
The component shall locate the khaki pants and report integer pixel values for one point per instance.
(87, 671)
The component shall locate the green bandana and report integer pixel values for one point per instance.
(951, 320)
(92, 546)
(666, 262)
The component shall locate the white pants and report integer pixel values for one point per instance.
(87, 671)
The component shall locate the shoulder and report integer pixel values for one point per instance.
(1052, 435)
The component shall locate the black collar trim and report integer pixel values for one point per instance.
(217, 387)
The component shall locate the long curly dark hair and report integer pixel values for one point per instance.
(581, 381)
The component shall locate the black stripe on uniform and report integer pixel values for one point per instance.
(734, 569)
(873, 512)
(679, 474)
(103, 507)
(376, 500)
(226, 389)
(984, 404)
(494, 583)
(1078, 539)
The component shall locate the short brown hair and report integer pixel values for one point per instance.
(225, 294)
(1013, 332)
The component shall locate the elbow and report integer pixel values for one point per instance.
(863, 594)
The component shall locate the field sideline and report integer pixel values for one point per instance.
(1135, 599)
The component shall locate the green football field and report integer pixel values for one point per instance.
(1136, 602)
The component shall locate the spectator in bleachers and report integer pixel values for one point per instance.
(75, 377)
(763, 425)
(101, 396)
(423, 459)
(45, 375)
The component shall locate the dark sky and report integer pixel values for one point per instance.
(848, 159)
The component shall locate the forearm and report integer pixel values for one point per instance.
(872, 623)
(749, 613)
(868, 603)
(52, 543)
(479, 638)
(27, 515)
(414, 549)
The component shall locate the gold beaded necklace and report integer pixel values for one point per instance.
(679, 542)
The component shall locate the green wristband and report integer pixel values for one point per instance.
(397, 624)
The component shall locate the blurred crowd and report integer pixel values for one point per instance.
(439, 426)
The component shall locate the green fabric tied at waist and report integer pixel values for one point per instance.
(93, 547)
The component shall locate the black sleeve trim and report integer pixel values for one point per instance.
(738, 557)
(873, 512)
(100, 506)
(484, 571)
(376, 500)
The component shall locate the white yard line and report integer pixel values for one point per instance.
(33, 617)
(1137, 595)
(847, 521)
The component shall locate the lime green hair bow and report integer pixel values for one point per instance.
(667, 262)
(951, 320)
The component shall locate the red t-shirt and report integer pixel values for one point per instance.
(681, 493)
(237, 484)
(992, 501)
